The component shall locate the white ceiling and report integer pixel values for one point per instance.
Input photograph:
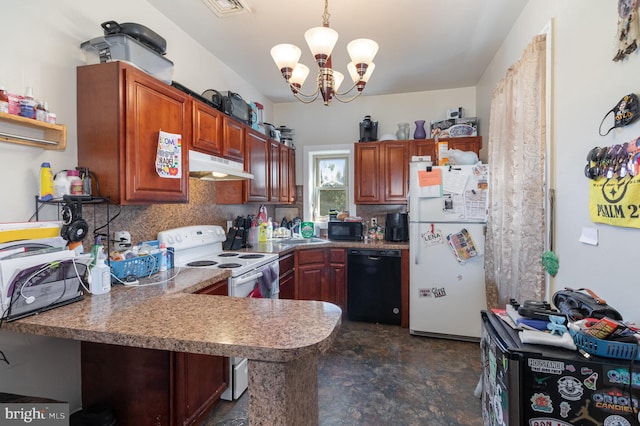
(424, 44)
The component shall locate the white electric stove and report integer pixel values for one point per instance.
(201, 247)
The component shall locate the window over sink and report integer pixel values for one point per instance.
(331, 184)
(328, 171)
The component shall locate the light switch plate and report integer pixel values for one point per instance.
(374, 221)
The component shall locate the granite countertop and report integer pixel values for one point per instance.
(274, 247)
(169, 316)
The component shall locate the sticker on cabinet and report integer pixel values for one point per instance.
(169, 155)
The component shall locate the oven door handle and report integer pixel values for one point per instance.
(244, 280)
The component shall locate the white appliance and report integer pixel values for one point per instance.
(201, 247)
(447, 222)
(37, 275)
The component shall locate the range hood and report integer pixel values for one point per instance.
(209, 167)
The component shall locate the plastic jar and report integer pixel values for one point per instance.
(75, 183)
(61, 185)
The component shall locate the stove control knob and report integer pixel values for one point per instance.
(178, 238)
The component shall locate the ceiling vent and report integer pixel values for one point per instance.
(224, 8)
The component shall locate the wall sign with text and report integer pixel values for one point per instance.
(615, 201)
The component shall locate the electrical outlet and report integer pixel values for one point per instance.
(374, 221)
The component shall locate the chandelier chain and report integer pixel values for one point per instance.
(326, 15)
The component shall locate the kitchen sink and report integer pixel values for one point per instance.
(298, 241)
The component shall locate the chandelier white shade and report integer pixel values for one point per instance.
(321, 41)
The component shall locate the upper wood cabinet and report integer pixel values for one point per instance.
(257, 163)
(382, 168)
(287, 174)
(367, 181)
(233, 137)
(273, 167)
(120, 113)
(207, 129)
(275, 171)
(428, 146)
(216, 133)
(382, 172)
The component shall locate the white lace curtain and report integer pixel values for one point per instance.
(516, 223)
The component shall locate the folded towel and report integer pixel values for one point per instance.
(542, 338)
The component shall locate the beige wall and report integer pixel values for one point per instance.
(586, 84)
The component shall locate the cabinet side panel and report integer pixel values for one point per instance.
(99, 98)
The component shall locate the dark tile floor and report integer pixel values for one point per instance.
(381, 375)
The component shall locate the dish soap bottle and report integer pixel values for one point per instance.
(46, 182)
(100, 275)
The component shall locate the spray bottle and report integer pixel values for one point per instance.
(100, 276)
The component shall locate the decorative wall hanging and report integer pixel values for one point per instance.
(615, 201)
(628, 29)
(625, 112)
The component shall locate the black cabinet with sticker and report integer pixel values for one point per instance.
(526, 384)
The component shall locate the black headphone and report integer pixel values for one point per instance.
(74, 227)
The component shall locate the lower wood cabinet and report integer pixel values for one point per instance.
(321, 275)
(287, 276)
(147, 386)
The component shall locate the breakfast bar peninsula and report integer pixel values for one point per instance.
(282, 339)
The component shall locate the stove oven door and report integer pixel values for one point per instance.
(265, 278)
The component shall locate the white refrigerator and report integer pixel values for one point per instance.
(447, 222)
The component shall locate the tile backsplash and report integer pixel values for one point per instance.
(144, 222)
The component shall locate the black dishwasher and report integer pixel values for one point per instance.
(374, 285)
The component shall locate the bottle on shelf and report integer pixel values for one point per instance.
(41, 111)
(46, 182)
(4, 100)
(28, 104)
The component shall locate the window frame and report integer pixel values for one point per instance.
(318, 189)
(309, 153)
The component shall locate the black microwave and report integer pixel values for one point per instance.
(345, 231)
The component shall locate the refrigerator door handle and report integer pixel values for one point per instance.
(417, 258)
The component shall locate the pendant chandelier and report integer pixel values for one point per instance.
(321, 41)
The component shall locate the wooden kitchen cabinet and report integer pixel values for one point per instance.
(321, 275)
(207, 129)
(120, 113)
(275, 171)
(233, 136)
(283, 174)
(273, 167)
(382, 172)
(287, 277)
(216, 133)
(154, 386)
(257, 163)
(428, 147)
(291, 174)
